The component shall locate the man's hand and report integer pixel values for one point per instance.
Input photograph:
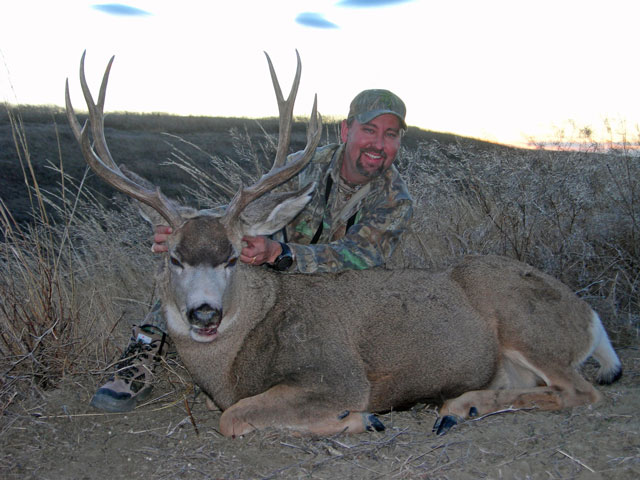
(160, 235)
(259, 250)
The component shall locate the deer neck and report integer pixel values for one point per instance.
(250, 295)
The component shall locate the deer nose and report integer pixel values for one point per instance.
(204, 315)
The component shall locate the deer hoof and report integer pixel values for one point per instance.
(444, 424)
(372, 423)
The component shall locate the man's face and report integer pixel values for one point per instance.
(370, 148)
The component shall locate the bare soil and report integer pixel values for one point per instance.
(57, 435)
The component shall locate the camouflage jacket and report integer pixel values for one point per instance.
(363, 232)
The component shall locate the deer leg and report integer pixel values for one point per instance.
(567, 390)
(296, 408)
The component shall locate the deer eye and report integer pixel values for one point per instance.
(175, 262)
(231, 262)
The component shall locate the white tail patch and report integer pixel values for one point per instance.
(602, 350)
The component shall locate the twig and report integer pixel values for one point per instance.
(106, 414)
(193, 420)
(505, 410)
(343, 445)
(290, 445)
(170, 432)
(576, 460)
(138, 432)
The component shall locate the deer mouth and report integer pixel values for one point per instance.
(204, 322)
(204, 334)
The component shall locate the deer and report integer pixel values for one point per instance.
(322, 354)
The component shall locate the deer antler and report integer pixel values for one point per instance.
(280, 172)
(101, 162)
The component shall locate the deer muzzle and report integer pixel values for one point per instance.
(204, 321)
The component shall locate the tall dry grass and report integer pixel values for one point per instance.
(66, 280)
(71, 282)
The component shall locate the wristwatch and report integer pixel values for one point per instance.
(284, 260)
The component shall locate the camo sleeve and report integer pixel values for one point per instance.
(368, 243)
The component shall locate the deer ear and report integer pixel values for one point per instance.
(150, 215)
(271, 212)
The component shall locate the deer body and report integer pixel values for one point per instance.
(390, 339)
(319, 353)
(372, 357)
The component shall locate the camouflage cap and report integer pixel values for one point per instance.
(370, 104)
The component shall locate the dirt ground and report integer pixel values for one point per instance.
(59, 436)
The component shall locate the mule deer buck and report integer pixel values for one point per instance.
(322, 353)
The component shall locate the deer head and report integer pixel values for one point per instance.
(204, 246)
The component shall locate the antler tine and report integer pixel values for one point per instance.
(114, 177)
(71, 114)
(280, 171)
(285, 108)
(96, 112)
(101, 162)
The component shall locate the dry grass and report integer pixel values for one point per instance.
(572, 214)
(64, 284)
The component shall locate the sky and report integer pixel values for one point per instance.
(501, 70)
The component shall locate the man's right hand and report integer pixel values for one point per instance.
(160, 235)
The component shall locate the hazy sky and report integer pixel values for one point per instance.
(495, 69)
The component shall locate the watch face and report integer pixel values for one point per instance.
(285, 259)
(284, 262)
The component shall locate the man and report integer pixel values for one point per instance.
(354, 220)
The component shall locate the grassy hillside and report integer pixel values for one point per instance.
(146, 143)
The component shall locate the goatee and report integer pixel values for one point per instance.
(371, 173)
